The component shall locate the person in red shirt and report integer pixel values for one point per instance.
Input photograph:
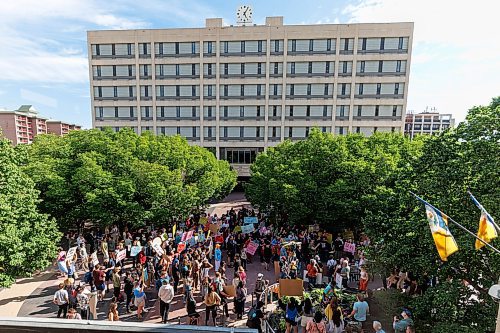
(312, 271)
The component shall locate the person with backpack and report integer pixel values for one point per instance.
(255, 316)
(260, 286)
(291, 314)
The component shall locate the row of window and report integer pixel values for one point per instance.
(252, 133)
(311, 68)
(227, 91)
(426, 127)
(258, 47)
(247, 112)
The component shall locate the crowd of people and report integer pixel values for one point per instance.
(194, 258)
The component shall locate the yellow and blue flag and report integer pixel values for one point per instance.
(438, 222)
(487, 231)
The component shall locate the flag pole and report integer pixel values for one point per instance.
(459, 225)
(482, 209)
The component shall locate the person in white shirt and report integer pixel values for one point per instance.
(61, 299)
(166, 295)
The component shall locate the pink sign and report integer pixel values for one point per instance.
(189, 235)
(252, 247)
(350, 247)
(184, 236)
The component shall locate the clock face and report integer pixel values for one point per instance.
(244, 14)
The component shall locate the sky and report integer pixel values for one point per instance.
(43, 49)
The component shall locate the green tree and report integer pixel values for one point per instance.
(328, 179)
(27, 238)
(105, 178)
(450, 164)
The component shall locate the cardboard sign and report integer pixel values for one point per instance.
(291, 287)
(95, 260)
(230, 290)
(203, 220)
(135, 250)
(214, 228)
(157, 247)
(350, 247)
(247, 228)
(252, 247)
(181, 247)
(250, 219)
(121, 255)
(71, 253)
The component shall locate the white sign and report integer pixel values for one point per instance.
(121, 255)
(95, 261)
(71, 253)
(135, 250)
(158, 249)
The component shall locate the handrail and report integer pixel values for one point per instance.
(267, 327)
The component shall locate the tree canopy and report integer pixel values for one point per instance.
(28, 239)
(328, 179)
(461, 159)
(105, 178)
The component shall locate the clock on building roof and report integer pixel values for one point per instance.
(244, 14)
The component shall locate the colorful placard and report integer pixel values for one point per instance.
(247, 228)
(203, 220)
(135, 250)
(250, 219)
(252, 247)
(349, 247)
(121, 255)
(181, 247)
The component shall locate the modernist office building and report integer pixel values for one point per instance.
(427, 123)
(239, 89)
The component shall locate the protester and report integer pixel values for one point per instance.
(377, 326)
(166, 295)
(72, 314)
(239, 300)
(400, 325)
(140, 298)
(316, 325)
(360, 310)
(113, 312)
(212, 300)
(61, 299)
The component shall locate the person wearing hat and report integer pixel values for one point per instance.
(400, 325)
(260, 286)
(217, 256)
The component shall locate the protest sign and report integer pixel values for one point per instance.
(230, 290)
(157, 247)
(122, 254)
(291, 287)
(95, 260)
(250, 219)
(350, 247)
(174, 229)
(181, 247)
(189, 235)
(135, 250)
(237, 229)
(248, 228)
(184, 235)
(252, 247)
(203, 220)
(71, 253)
(164, 237)
(213, 228)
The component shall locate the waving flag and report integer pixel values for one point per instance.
(487, 230)
(438, 222)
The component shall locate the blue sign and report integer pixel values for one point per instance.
(250, 219)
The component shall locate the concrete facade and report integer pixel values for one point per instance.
(427, 123)
(240, 89)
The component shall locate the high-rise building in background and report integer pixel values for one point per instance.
(237, 90)
(427, 123)
(24, 124)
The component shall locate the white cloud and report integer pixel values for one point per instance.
(455, 63)
(38, 99)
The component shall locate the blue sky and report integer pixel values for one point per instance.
(43, 53)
